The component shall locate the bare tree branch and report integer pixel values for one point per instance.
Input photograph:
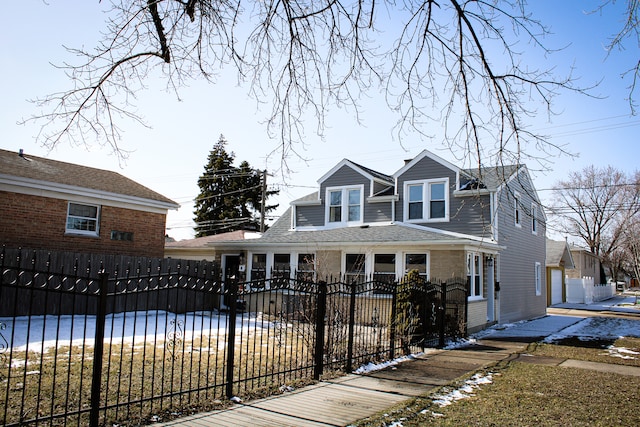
(451, 63)
(598, 205)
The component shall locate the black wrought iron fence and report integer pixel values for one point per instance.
(107, 344)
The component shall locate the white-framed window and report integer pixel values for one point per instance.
(355, 267)
(384, 267)
(426, 200)
(534, 218)
(281, 265)
(415, 203)
(306, 269)
(516, 210)
(538, 278)
(417, 262)
(258, 270)
(474, 274)
(344, 205)
(83, 219)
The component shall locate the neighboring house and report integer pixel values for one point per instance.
(559, 259)
(53, 205)
(486, 226)
(203, 248)
(586, 264)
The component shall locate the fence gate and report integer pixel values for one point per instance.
(430, 312)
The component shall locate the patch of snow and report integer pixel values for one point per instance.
(44, 332)
(286, 389)
(463, 392)
(372, 367)
(621, 352)
(598, 328)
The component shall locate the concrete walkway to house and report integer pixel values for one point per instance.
(344, 400)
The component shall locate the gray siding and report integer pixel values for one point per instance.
(377, 212)
(518, 299)
(345, 176)
(309, 216)
(378, 187)
(467, 215)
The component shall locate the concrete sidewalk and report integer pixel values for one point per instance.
(346, 399)
(617, 305)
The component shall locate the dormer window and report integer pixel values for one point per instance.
(335, 206)
(344, 205)
(427, 201)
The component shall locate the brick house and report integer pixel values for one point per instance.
(59, 206)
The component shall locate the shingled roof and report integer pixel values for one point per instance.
(383, 234)
(33, 169)
(493, 177)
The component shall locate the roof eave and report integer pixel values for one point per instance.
(23, 185)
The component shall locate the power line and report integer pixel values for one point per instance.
(228, 193)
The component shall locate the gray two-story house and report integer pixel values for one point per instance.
(485, 225)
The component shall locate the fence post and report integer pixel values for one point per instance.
(98, 350)
(394, 323)
(352, 321)
(321, 312)
(231, 336)
(443, 313)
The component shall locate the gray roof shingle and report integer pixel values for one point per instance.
(280, 232)
(493, 177)
(557, 251)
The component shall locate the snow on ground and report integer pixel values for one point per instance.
(598, 328)
(551, 328)
(463, 392)
(40, 333)
(372, 367)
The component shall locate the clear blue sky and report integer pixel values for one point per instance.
(170, 155)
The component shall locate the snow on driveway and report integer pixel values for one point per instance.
(557, 327)
(540, 327)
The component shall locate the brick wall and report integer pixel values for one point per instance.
(39, 223)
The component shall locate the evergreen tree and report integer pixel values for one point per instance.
(230, 197)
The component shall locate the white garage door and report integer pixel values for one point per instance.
(556, 287)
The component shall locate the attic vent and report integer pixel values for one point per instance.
(21, 154)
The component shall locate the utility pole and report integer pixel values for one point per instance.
(264, 196)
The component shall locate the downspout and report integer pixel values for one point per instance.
(393, 211)
(293, 217)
